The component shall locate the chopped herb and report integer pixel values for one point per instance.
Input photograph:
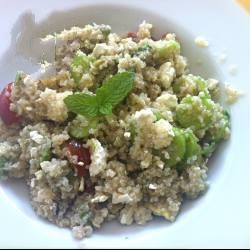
(113, 91)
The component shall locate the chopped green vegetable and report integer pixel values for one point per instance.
(190, 85)
(158, 115)
(208, 149)
(192, 146)
(177, 148)
(166, 49)
(113, 91)
(46, 155)
(216, 134)
(80, 129)
(195, 112)
(201, 84)
(221, 132)
(79, 65)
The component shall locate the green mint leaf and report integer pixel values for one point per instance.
(106, 109)
(115, 89)
(82, 104)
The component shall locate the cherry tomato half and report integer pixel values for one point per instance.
(9, 117)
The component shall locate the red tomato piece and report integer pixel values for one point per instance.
(9, 117)
(76, 148)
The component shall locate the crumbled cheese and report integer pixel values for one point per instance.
(98, 157)
(166, 74)
(160, 165)
(36, 137)
(147, 112)
(99, 198)
(159, 133)
(201, 42)
(58, 111)
(166, 101)
(152, 186)
(127, 134)
(28, 109)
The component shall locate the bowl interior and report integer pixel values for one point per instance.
(27, 32)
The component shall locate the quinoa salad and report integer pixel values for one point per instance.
(122, 130)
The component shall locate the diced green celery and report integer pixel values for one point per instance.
(190, 84)
(79, 66)
(202, 86)
(192, 146)
(79, 129)
(177, 148)
(166, 49)
(201, 83)
(220, 132)
(195, 112)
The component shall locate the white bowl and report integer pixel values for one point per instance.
(220, 218)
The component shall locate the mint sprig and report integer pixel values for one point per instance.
(112, 92)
